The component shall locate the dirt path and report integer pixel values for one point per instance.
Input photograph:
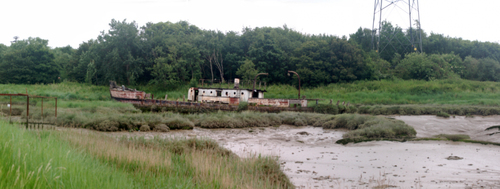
(311, 158)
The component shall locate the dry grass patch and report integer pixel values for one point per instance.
(122, 155)
(202, 163)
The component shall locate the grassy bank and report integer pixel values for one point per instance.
(389, 92)
(384, 92)
(84, 159)
(41, 160)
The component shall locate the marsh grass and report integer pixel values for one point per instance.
(367, 128)
(385, 97)
(84, 159)
(443, 114)
(453, 137)
(493, 127)
(392, 92)
(63, 91)
(416, 109)
(41, 160)
(191, 163)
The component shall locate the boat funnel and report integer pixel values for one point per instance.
(236, 83)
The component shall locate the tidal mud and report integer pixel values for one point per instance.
(310, 157)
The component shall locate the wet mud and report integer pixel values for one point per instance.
(428, 126)
(311, 159)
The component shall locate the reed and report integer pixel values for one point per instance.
(86, 159)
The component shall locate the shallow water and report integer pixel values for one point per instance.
(310, 157)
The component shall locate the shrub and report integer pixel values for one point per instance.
(326, 109)
(443, 114)
(179, 123)
(364, 128)
(242, 106)
(144, 128)
(161, 128)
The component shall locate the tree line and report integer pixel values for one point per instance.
(167, 54)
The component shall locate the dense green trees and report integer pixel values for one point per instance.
(28, 61)
(169, 54)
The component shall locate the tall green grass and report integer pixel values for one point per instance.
(383, 92)
(388, 92)
(63, 91)
(41, 160)
(83, 159)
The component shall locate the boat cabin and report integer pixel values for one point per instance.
(229, 96)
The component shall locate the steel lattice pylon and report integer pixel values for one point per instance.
(400, 39)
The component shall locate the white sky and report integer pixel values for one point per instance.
(71, 22)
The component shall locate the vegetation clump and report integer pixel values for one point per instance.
(443, 114)
(365, 128)
(58, 159)
(453, 137)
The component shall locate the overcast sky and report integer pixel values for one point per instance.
(71, 22)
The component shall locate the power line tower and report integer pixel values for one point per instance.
(403, 37)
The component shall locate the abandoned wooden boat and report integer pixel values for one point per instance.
(125, 94)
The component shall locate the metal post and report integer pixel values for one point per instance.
(373, 25)
(419, 29)
(10, 110)
(27, 111)
(42, 113)
(298, 78)
(255, 80)
(42, 108)
(379, 28)
(411, 34)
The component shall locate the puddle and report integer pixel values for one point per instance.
(311, 159)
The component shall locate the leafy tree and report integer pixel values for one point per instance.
(326, 60)
(363, 38)
(470, 68)
(488, 70)
(62, 57)
(247, 70)
(120, 52)
(91, 72)
(421, 66)
(28, 61)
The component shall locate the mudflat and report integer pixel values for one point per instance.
(310, 157)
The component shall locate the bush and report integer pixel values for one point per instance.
(179, 123)
(326, 109)
(364, 128)
(242, 106)
(144, 128)
(443, 114)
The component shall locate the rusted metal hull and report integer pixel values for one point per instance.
(277, 102)
(201, 107)
(117, 93)
(269, 102)
(220, 99)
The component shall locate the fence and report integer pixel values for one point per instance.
(38, 118)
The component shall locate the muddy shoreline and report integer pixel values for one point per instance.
(311, 158)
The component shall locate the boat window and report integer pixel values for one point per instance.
(210, 92)
(255, 94)
(227, 94)
(242, 93)
(203, 92)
